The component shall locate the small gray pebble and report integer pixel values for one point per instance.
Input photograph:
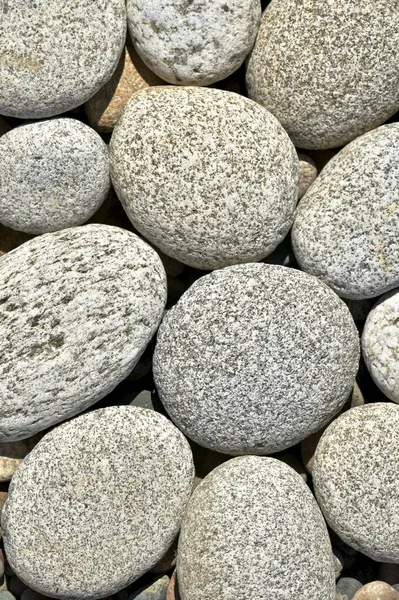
(355, 479)
(53, 175)
(56, 54)
(115, 484)
(307, 174)
(338, 562)
(347, 588)
(154, 591)
(4, 595)
(345, 229)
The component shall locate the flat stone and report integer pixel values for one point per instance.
(252, 529)
(380, 345)
(156, 590)
(57, 175)
(194, 42)
(327, 90)
(345, 230)
(220, 171)
(115, 485)
(307, 173)
(79, 307)
(56, 55)
(376, 590)
(354, 477)
(12, 453)
(347, 588)
(254, 358)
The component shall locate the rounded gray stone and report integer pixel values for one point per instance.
(208, 176)
(194, 42)
(56, 54)
(327, 89)
(97, 503)
(347, 588)
(307, 173)
(355, 474)
(252, 529)
(346, 225)
(53, 175)
(78, 308)
(253, 358)
(380, 345)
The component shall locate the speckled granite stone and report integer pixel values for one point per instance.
(57, 53)
(355, 476)
(53, 175)
(12, 453)
(327, 89)
(253, 358)
(156, 590)
(346, 226)
(307, 173)
(78, 308)
(380, 345)
(193, 42)
(106, 506)
(252, 529)
(208, 176)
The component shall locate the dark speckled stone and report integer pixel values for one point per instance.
(253, 530)
(97, 502)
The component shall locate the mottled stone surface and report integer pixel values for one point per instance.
(355, 476)
(253, 358)
(156, 590)
(327, 89)
(376, 590)
(104, 509)
(53, 174)
(193, 42)
(208, 176)
(347, 588)
(78, 308)
(252, 529)
(307, 173)
(345, 230)
(57, 53)
(380, 345)
(12, 453)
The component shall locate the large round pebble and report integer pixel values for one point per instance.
(253, 358)
(346, 225)
(327, 89)
(57, 53)
(53, 175)
(252, 529)
(355, 476)
(104, 509)
(78, 308)
(376, 590)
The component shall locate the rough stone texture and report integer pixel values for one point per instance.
(355, 479)
(78, 308)
(219, 170)
(253, 358)
(193, 42)
(307, 173)
(376, 590)
(347, 588)
(53, 175)
(12, 453)
(252, 529)
(380, 345)
(157, 590)
(106, 506)
(131, 75)
(55, 54)
(345, 230)
(327, 89)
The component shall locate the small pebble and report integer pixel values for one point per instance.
(5, 595)
(376, 590)
(156, 590)
(347, 588)
(307, 174)
(173, 589)
(12, 453)
(338, 562)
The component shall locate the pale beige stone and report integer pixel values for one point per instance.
(377, 590)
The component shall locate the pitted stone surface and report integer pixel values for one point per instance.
(97, 502)
(193, 42)
(253, 358)
(327, 89)
(78, 308)
(208, 176)
(55, 54)
(346, 226)
(252, 529)
(355, 476)
(53, 175)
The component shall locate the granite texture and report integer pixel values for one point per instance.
(252, 529)
(78, 308)
(307, 173)
(208, 176)
(193, 42)
(345, 229)
(254, 358)
(53, 174)
(55, 54)
(380, 344)
(327, 70)
(355, 479)
(104, 509)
